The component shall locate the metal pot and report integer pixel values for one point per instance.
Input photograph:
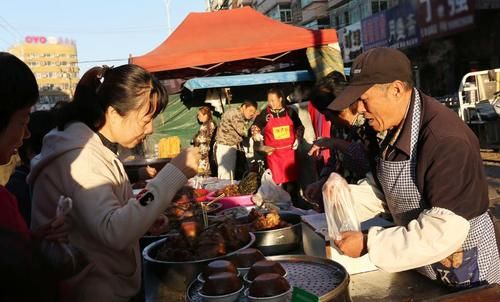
(168, 280)
(283, 240)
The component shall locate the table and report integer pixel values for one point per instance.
(403, 286)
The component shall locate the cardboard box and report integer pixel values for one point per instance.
(316, 243)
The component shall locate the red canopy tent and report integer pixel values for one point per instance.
(205, 41)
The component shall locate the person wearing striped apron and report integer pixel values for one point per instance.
(431, 174)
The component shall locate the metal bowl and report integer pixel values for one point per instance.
(282, 240)
(164, 280)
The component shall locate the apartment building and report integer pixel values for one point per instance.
(54, 62)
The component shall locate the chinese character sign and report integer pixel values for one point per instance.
(402, 31)
(374, 31)
(440, 17)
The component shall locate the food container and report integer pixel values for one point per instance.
(324, 278)
(231, 297)
(168, 280)
(269, 288)
(280, 241)
(201, 194)
(244, 259)
(232, 201)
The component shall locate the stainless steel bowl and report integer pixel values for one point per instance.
(168, 280)
(283, 240)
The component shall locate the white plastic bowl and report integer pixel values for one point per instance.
(284, 297)
(231, 297)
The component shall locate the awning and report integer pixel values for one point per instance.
(249, 79)
(207, 40)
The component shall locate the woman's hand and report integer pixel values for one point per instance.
(318, 145)
(160, 226)
(55, 230)
(187, 161)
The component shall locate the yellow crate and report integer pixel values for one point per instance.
(169, 147)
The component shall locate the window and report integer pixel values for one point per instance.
(285, 15)
(379, 5)
(346, 18)
(383, 5)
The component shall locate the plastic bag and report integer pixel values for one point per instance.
(270, 192)
(339, 208)
(64, 259)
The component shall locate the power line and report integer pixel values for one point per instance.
(9, 28)
(102, 61)
(100, 31)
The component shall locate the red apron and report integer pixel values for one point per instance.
(279, 134)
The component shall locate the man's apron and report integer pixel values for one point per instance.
(480, 253)
(279, 134)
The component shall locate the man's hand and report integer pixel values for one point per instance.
(352, 244)
(187, 161)
(313, 191)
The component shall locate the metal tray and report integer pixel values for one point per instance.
(323, 277)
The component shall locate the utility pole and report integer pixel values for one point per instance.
(167, 8)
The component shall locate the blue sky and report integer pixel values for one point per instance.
(103, 30)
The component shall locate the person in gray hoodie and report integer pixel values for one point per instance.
(111, 107)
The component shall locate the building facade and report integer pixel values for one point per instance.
(54, 61)
(445, 39)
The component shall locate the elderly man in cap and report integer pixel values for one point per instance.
(431, 174)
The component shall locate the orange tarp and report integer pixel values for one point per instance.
(229, 35)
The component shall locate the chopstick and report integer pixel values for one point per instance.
(204, 207)
(205, 216)
(215, 199)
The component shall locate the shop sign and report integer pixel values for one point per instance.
(374, 31)
(35, 39)
(437, 18)
(48, 40)
(402, 31)
(350, 41)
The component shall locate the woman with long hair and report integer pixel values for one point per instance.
(111, 107)
(203, 139)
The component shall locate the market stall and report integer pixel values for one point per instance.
(228, 49)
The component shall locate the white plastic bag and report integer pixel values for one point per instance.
(339, 208)
(270, 192)
(63, 258)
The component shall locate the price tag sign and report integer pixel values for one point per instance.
(281, 132)
(300, 295)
